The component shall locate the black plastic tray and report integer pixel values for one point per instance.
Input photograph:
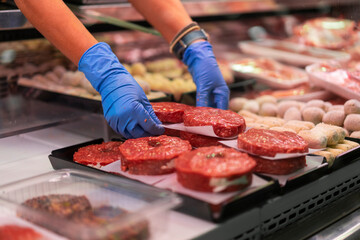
(347, 157)
(87, 104)
(63, 158)
(342, 160)
(303, 178)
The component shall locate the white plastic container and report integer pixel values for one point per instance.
(144, 205)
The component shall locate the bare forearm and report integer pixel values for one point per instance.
(167, 16)
(59, 25)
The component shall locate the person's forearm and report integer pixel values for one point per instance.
(54, 20)
(167, 16)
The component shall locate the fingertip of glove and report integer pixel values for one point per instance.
(202, 101)
(223, 106)
(222, 102)
(157, 121)
(200, 104)
(152, 126)
(162, 130)
(155, 118)
(148, 107)
(97, 45)
(159, 130)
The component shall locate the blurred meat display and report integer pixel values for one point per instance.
(283, 154)
(270, 72)
(330, 33)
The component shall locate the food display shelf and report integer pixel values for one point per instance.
(63, 158)
(290, 4)
(270, 216)
(92, 105)
(125, 11)
(83, 103)
(270, 212)
(284, 210)
(338, 220)
(11, 17)
(344, 159)
(294, 210)
(195, 9)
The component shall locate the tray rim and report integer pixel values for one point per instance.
(268, 189)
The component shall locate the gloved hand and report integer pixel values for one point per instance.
(125, 105)
(211, 89)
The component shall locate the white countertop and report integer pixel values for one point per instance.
(26, 155)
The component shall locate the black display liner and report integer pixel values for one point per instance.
(63, 158)
(340, 161)
(303, 178)
(347, 157)
(87, 104)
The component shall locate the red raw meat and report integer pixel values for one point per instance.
(266, 142)
(98, 154)
(225, 123)
(170, 112)
(214, 169)
(13, 232)
(279, 167)
(197, 140)
(152, 155)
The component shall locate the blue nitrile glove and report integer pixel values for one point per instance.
(125, 105)
(211, 89)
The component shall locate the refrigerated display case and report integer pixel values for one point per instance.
(312, 204)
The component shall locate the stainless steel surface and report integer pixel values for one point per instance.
(346, 228)
(18, 115)
(12, 19)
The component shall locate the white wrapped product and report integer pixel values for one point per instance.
(334, 134)
(315, 139)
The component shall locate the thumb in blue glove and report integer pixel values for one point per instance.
(211, 88)
(125, 105)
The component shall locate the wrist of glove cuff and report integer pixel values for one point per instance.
(103, 64)
(211, 89)
(196, 55)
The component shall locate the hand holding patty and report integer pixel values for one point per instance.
(125, 105)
